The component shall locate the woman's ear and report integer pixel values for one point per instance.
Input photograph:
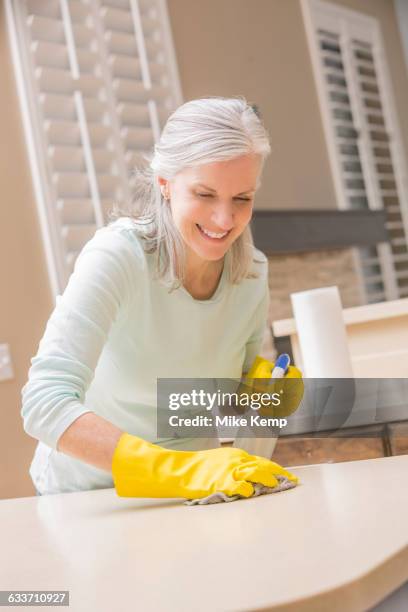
(164, 187)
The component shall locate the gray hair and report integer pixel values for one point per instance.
(199, 132)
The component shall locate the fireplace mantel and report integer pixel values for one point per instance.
(295, 231)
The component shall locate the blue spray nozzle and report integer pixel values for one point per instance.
(281, 365)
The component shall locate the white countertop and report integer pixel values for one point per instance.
(353, 316)
(339, 541)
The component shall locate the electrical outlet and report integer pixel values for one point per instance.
(6, 368)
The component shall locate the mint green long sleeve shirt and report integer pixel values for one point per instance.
(113, 332)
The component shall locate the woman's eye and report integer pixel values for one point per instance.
(210, 195)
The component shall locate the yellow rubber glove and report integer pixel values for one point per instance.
(142, 469)
(291, 392)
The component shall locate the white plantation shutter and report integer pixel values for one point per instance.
(362, 133)
(97, 79)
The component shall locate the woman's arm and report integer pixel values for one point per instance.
(92, 439)
(255, 342)
(98, 291)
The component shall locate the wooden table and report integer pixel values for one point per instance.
(337, 542)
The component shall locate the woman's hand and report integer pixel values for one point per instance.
(142, 469)
(290, 388)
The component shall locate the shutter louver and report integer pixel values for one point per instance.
(379, 137)
(362, 135)
(348, 147)
(101, 80)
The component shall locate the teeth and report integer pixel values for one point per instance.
(212, 234)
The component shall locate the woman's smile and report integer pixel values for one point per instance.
(211, 235)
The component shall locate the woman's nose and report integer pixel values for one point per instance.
(223, 216)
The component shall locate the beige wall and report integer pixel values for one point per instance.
(226, 47)
(25, 301)
(258, 49)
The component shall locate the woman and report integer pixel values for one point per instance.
(177, 291)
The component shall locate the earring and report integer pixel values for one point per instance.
(165, 194)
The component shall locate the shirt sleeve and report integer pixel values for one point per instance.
(254, 344)
(76, 332)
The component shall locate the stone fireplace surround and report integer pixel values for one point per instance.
(307, 249)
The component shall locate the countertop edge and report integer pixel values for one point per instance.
(362, 593)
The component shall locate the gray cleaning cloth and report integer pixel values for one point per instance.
(259, 489)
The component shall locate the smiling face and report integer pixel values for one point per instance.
(212, 204)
